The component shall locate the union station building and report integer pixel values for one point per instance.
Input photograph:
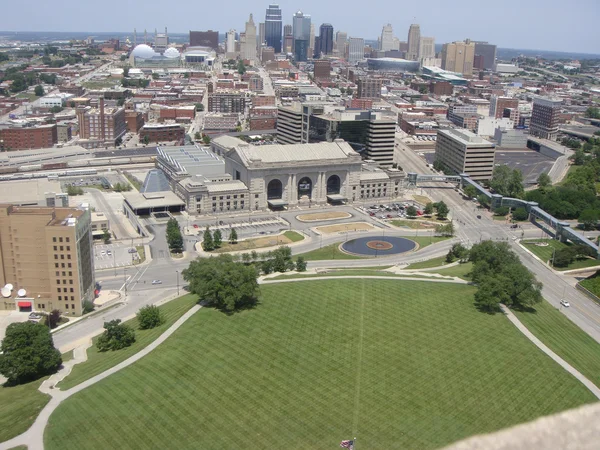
(247, 177)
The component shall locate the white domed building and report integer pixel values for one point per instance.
(172, 52)
(145, 56)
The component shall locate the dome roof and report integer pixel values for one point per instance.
(143, 51)
(171, 52)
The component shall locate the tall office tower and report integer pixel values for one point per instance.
(544, 118)
(288, 39)
(396, 44)
(458, 57)
(230, 44)
(464, 152)
(414, 40)
(301, 36)
(311, 41)
(249, 49)
(261, 37)
(427, 48)
(273, 25)
(161, 41)
(340, 42)
(208, 38)
(380, 140)
(47, 256)
(386, 43)
(326, 39)
(356, 50)
(487, 52)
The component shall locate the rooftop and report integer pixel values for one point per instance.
(152, 199)
(27, 192)
(466, 137)
(191, 160)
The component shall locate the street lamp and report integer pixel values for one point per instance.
(177, 272)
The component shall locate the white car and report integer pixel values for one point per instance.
(565, 303)
(156, 282)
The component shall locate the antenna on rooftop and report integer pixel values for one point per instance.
(134, 37)
(145, 36)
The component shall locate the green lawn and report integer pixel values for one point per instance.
(565, 338)
(424, 241)
(545, 253)
(328, 252)
(414, 224)
(396, 364)
(592, 284)
(19, 407)
(434, 262)
(293, 236)
(98, 362)
(461, 271)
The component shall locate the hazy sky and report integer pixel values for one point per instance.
(560, 25)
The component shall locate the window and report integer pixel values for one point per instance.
(70, 282)
(256, 196)
(71, 290)
(72, 306)
(68, 248)
(62, 256)
(60, 297)
(70, 274)
(63, 274)
(73, 299)
(53, 239)
(60, 239)
(65, 282)
(57, 273)
(55, 248)
(56, 265)
(62, 265)
(68, 239)
(66, 306)
(68, 256)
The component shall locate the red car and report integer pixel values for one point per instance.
(195, 226)
(371, 214)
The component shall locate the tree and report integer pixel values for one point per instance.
(411, 211)
(520, 214)
(501, 211)
(282, 257)
(507, 182)
(592, 112)
(155, 76)
(544, 180)
(241, 68)
(116, 336)
(442, 210)
(119, 140)
(53, 318)
(208, 244)
(197, 136)
(300, 264)
(149, 316)
(490, 294)
(470, 191)
(28, 353)
(206, 139)
(121, 101)
(39, 90)
(174, 236)
(88, 307)
(146, 139)
(126, 71)
(217, 239)
(74, 190)
(579, 158)
(222, 283)
(233, 236)
(458, 251)
(589, 218)
(199, 107)
(56, 109)
(428, 209)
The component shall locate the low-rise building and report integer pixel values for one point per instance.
(162, 132)
(24, 135)
(464, 152)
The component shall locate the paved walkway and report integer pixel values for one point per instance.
(376, 277)
(34, 437)
(565, 365)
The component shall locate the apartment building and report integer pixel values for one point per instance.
(23, 137)
(545, 118)
(226, 102)
(369, 87)
(102, 126)
(464, 152)
(46, 256)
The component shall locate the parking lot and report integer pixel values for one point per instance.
(390, 210)
(244, 227)
(530, 163)
(108, 256)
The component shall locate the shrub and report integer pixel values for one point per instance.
(149, 317)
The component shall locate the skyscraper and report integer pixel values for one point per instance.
(301, 35)
(356, 50)
(545, 117)
(386, 43)
(427, 48)
(311, 40)
(230, 44)
(488, 52)
(288, 39)
(326, 39)
(458, 57)
(249, 49)
(340, 42)
(273, 24)
(261, 37)
(414, 40)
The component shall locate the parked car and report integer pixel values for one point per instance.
(108, 252)
(195, 226)
(371, 213)
(565, 303)
(156, 282)
(514, 225)
(132, 250)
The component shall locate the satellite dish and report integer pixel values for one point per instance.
(5, 292)
(21, 292)
(9, 287)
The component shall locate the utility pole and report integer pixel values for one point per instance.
(177, 272)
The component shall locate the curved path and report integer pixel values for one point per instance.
(539, 344)
(34, 437)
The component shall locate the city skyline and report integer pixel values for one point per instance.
(529, 28)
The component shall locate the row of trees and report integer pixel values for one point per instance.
(212, 241)
(501, 278)
(174, 236)
(565, 256)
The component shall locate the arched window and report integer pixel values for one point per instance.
(305, 187)
(333, 185)
(274, 190)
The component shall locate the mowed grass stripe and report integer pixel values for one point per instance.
(98, 362)
(564, 338)
(433, 370)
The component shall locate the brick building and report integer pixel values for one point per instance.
(369, 87)
(226, 102)
(134, 121)
(162, 132)
(27, 137)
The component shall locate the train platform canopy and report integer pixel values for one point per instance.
(44, 155)
(151, 202)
